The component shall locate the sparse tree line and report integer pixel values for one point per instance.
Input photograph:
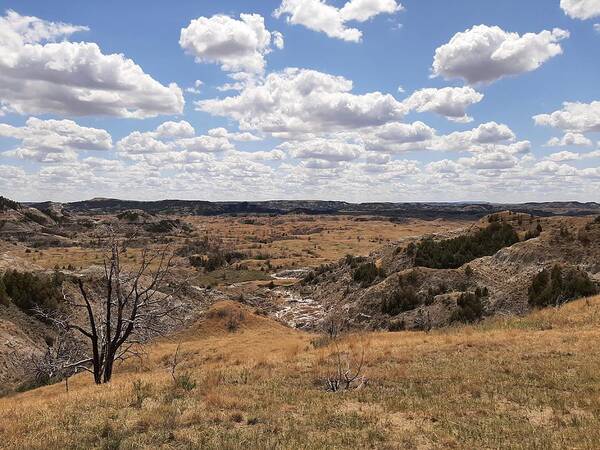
(455, 252)
(560, 285)
(6, 204)
(212, 254)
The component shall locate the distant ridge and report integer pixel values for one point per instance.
(431, 210)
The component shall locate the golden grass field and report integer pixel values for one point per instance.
(530, 383)
(282, 242)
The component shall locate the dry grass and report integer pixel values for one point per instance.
(531, 382)
(271, 243)
(300, 240)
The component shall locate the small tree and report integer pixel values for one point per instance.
(134, 306)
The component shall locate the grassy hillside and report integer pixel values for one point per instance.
(531, 382)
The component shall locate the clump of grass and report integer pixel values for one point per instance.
(141, 391)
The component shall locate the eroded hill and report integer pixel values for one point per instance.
(435, 280)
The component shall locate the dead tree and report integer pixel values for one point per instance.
(134, 305)
(344, 377)
(174, 363)
(62, 359)
(332, 326)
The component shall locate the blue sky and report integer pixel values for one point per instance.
(336, 126)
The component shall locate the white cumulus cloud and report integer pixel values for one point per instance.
(175, 129)
(317, 15)
(323, 149)
(236, 45)
(397, 137)
(301, 101)
(171, 138)
(42, 72)
(574, 116)
(450, 102)
(581, 9)
(484, 54)
(54, 140)
(570, 140)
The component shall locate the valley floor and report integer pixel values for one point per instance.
(531, 382)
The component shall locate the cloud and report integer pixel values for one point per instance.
(39, 74)
(236, 45)
(553, 168)
(301, 101)
(570, 140)
(450, 102)
(175, 129)
(581, 9)
(138, 143)
(377, 158)
(475, 140)
(398, 137)
(391, 170)
(319, 16)
(196, 88)
(564, 156)
(490, 161)
(574, 116)
(278, 40)
(363, 10)
(572, 156)
(597, 27)
(445, 166)
(323, 149)
(205, 144)
(241, 79)
(177, 142)
(54, 140)
(320, 164)
(484, 54)
(240, 137)
(271, 155)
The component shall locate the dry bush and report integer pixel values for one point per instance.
(345, 366)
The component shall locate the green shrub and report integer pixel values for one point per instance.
(353, 261)
(215, 259)
(163, 226)
(185, 382)
(453, 253)
(367, 273)
(402, 300)
(559, 286)
(3, 295)
(313, 276)
(141, 391)
(397, 325)
(28, 290)
(469, 308)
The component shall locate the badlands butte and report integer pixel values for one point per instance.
(428, 278)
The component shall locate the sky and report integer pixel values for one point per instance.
(357, 100)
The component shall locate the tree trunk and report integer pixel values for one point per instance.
(108, 367)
